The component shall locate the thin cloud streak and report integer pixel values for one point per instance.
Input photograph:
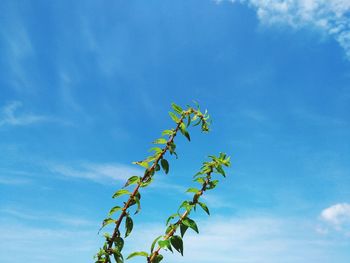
(36, 216)
(99, 173)
(10, 116)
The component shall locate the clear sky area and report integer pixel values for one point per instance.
(86, 86)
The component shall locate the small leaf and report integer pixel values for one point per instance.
(186, 205)
(137, 200)
(200, 180)
(157, 168)
(183, 229)
(132, 180)
(191, 224)
(119, 243)
(147, 182)
(106, 222)
(184, 131)
(156, 149)
(174, 117)
(120, 193)
(144, 164)
(165, 165)
(118, 257)
(204, 207)
(154, 243)
(177, 243)
(212, 184)
(114, 209)
(164, 243)
(158, 258)
(128, 225)
(141, 254)
(197, 123)
(192, 190)
(188, 120)
(170, 218)
(170, 228)
(160, 141)
(177, 108)
(172, 147)
(221, 171)
(167, 132)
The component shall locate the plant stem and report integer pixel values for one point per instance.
(183, 216)
(146, 177)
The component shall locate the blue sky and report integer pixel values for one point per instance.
(86, 87)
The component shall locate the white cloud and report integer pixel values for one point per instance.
(44, 244)
(11, 116)
(255, 239)
(37, 216)
(337, 215)
(328, 16)
(100, 173)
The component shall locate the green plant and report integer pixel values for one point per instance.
(114, 243)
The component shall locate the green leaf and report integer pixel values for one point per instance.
(156, 149)
(188, 120)
(128, 225)
(190, 223)
(118, 257)
(147, 182)
(169, 228)
(221, 171)
(106, 222)
(192, 190)
(167, 132)
(158, 258)
(141, 254)
(165, 165)
(186, 205)
(170, 218)
(197, 123)
(160, 141)
(164, 243)
(200, 180)
(144, 164)
(114, 209)
(173, 117)
(154, 243)
(157, 168)
(137, 200)
(120, 193)
(177, 243)
(212, 184)
(177, 108)
(172, 148)
(183, 229)
(119, 243)
(132, 180)
(204, 207)
(184, 131)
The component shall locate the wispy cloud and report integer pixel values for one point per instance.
(12, 116)
(44, 244)
(100, 173)
(329, 17)
(250, 240)
(13, 181)
(37, 216)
